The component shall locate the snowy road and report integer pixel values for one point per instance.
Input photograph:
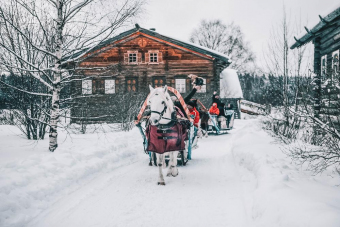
(101, 179)
(207, 192)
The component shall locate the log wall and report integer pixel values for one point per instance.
(174, 63)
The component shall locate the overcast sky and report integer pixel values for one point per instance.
(178, 18)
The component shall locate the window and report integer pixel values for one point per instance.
(158, 82)
(132, 57)
(131, 85)
(335, 61)
(153, 57)
(98, 86)
(180, 85)
(323, 67)
(110, 86)
(203, 87)
(86, 87)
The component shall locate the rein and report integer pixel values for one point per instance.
(172, 119)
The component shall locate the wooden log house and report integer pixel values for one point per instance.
(121, 69)
(326, 39)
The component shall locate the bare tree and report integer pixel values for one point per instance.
(316, 137)
(53, 31)
(227, 39)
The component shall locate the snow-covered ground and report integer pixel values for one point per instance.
(103, 179)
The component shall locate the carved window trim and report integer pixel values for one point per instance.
(132, 57)
(153, 57)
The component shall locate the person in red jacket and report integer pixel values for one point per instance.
(214, 109)
(194, 113)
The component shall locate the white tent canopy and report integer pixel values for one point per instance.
(230, 85)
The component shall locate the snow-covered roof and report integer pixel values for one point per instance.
(230, 86)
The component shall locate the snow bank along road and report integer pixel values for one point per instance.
(238, 179)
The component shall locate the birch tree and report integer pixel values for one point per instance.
(55, 31)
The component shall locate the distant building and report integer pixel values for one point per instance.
(126, 64)
(326, 39)
(230, 90)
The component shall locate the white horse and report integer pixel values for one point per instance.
(162, 109)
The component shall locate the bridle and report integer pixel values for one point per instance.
(162, 113)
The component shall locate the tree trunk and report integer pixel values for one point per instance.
(56, 82)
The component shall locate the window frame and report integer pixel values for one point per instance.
(135, 52)
(99, 88)
(158, 78)
(126, 84)
(157, 56)
(178, 89)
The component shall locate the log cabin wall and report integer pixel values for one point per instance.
(130, 67)
(326, 39)
(326, 68)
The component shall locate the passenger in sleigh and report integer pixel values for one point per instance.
(186, 98)
(229, 110)
(214, 109)
(220, 105)
(194, 114)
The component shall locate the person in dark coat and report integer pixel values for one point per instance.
(220, 105)
(216, 99)
(186, 98)
(228, 117)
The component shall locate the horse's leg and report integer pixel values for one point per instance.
(160, 158)
(185, 152)
(150, 158)
(168, 174)
(173, 167)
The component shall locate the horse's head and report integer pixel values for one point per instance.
(161, 105)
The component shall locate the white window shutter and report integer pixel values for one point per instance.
(126, 58)
(86, 87)
(139, 55)
(147, 57)
(160, 57)
(110, 86)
